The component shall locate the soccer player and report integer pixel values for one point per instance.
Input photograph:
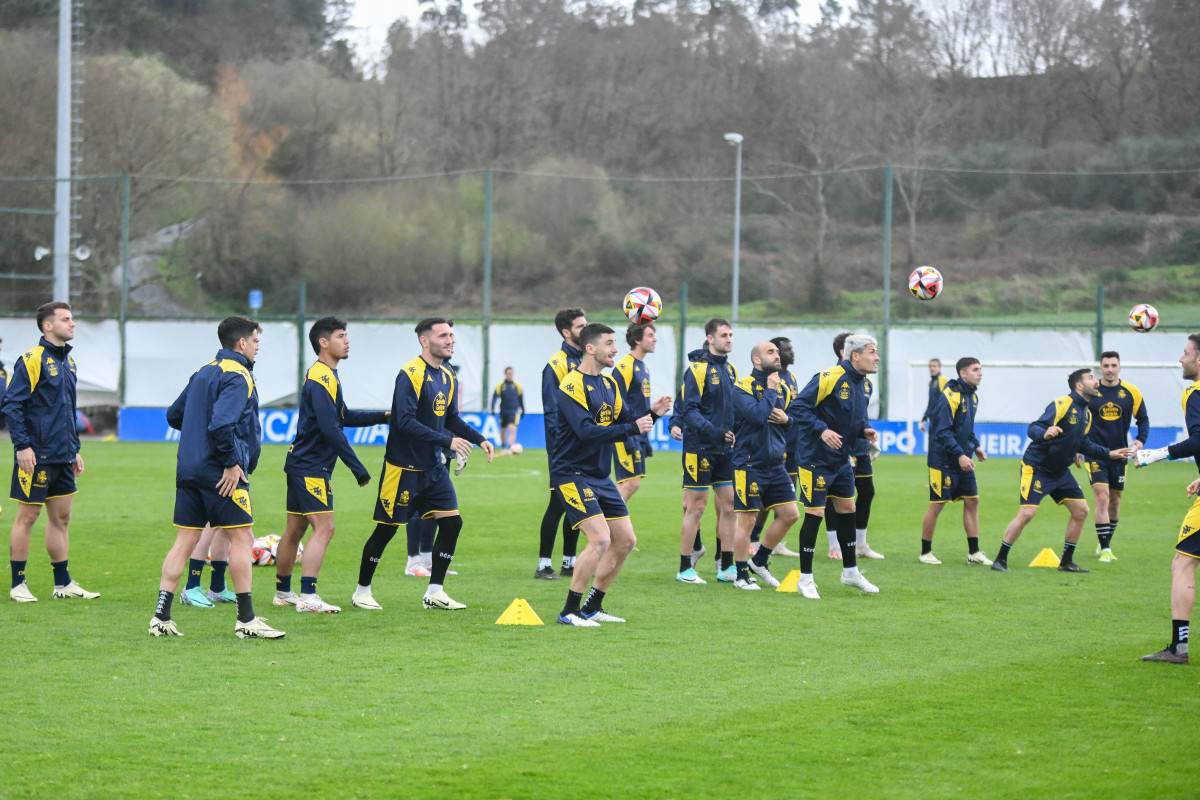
(1187, 547)
(1116, 405)
(219, 444)
(1062, 430)
(320, 440)
(633, 379)
(594, 416)
(952, 443)
(760, 479)
(708, 438)
(511, 398)
(568, 322)
(937, 383)
(415, 481)
(39, 406)
(3, 374)
(832, 413)
(787, 357)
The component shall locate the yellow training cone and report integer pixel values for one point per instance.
(788, 584)
(519, 613)
(1046, 558)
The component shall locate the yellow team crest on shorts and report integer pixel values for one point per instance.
(753, 489)
(820, 481)
(404, 496)
(704, 464)
(41, 477)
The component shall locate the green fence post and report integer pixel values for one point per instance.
(884, 344)
(681, 356)
(1099, 321)
(124, 278)
(301, 313)
(487, 282)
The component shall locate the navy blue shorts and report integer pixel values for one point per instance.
(47, 482)
(405, 493)
(309, 494)
(629, 459)
(702, 471)
(819, 483)
(1108, 472)
(585, 498)
(195, 508)
(759, 489)
(507, 419)
(1036, 485)
(948, 484)
(864, 467)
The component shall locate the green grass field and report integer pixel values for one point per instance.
(954, 681)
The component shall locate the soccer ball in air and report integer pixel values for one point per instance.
(925, 283)
(1143, 318)
(642, 305)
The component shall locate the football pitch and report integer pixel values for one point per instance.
(954, 681)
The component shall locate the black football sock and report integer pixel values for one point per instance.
(1102, 534)
(163, 609)
(245, 607)
(810, 529)
(308, 585)
(1179, 633)
(62, 576)
(972, 545)
(283, 583)
(846, 538)
(685, 563)
(448, 529)
(717, 554)
(1110, 533)
(726, 559)
(1004, 548)
(373, 552)
(216, 582)
(594, 602)
(18, 572)
(761, 557)
(743, 570)
(573, 601)
(926, 547)
(549, 530)
(195, 572)
(864, 488)
(1068, 553)
(696, 545)
(831, 516)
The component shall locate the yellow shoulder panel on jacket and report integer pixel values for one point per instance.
(624, 369)
(559, 362)
(829, 379)
(229, 365)
(415, 370)
(322, 374)
(699, 371)
(1061, 406)
(33, 365)
(573, 386)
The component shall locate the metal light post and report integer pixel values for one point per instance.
(735, 139)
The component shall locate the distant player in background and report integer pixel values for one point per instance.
(415, 481)
(320, 441)
(211, 549)
(952, 443)
(1187, 547)
(937, 382)
(708, 438)
(864, 482)
(633, 379)
(675, 427)
(1116, 406)
(39, 405)
(594, 417)
(1062, 430)
(832, 413)
(568, 322)
(511, 398)
(3, 377)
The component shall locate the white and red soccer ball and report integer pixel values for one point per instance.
(264, 549)
(642, 305)
(1143, 318)
(925, 283)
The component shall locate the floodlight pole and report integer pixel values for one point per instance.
(735, 139)
(62, 163)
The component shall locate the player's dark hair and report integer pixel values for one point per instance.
(635, 332)
(233, 329)
(1110, 354)
(426, 325)
(592, 332)
(780, 342)
(46, 311)
(714, 324)
(963, 363)
(1194, 338)
(1076, 376)
(323, 329)
(506, 369)
(839, 342)
(564, 319)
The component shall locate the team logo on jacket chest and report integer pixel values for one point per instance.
(1074, 418)
(604, 415)
(51, 367)
(844, 392)
(714, 378)
(439, 404)
(1110, 412)
(1121, 394)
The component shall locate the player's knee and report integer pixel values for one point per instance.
(970, 503)
(1079, 511)
(787, 513)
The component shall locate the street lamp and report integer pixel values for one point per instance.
(735, 139)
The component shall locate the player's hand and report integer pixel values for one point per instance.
(773, 380)
(460, 446)
(489, 449)
(966, 464)
(26, 460)
(645, 423)
(662, 406)
(1078, 460)
(1138, 444)
(78, 465)
(364, 479)
(870, 434)
(230, 478)
(730, 438)
(1194, 487)
(921, 426)
(982, 456)
(832, 439)
(778, 416)
(677, 434)
(1120, 455)
(387, 415)
(1051, 432)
